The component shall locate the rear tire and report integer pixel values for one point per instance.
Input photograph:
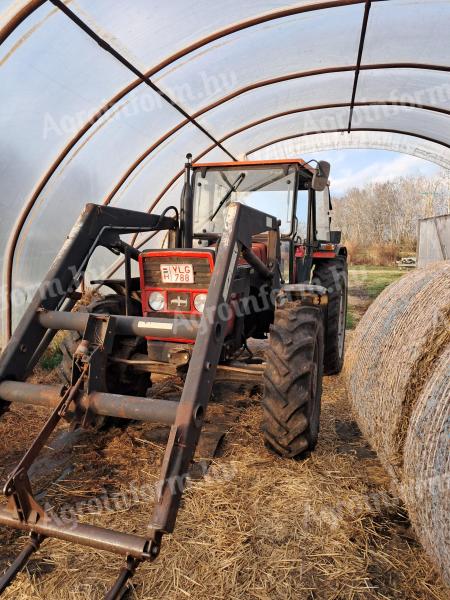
(333, 275)
(293, 380)
(120, 378)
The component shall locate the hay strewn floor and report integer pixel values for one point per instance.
(258, 527)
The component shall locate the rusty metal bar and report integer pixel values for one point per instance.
(236, 27)
(132, 407)
(20, 561)
(19, 18)
(374, 129)
(97, 225)
(47, 396)
(125, 544)
(142, 76)
(317, 72)
(177, 327)
(100, 403)
(242, 223)
(293, 111)
(358, 60)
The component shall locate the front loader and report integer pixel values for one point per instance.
(249, 255)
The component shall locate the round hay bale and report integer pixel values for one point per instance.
(391, 355)
(426, 475)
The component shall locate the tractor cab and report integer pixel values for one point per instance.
(175, 281)
(290, 190)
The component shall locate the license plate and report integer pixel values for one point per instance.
(177, 273)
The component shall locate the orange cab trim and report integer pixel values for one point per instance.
(250, 163)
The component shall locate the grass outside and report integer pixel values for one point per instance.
(365, 284)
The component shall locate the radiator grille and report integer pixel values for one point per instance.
(152, 272)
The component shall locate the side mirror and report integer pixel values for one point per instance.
(335, 237)
(320, 177)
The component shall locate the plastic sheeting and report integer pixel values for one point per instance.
(264, 78)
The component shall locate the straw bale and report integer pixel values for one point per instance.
(392, 353)
(426, 484)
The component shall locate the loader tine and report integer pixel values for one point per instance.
(120, 585)
(14, 569)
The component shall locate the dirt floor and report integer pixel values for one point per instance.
(254, 527)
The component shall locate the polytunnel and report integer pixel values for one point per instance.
(101, 101)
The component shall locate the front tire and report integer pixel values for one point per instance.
(293, 380)
(333, 275)
(120, 378)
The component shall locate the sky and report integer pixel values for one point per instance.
(355, 168)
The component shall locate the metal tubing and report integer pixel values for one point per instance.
(358, 62)
(120, 585)
(304, 109)
(113, 405)
(142, 76)
(133, 407)
(29, 393)
(257, 263)
(321, 132)
(18, 18)
(125, 544)
(20, 561)
(176, 328)
(65, 274)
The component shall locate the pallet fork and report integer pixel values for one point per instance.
(84, 400)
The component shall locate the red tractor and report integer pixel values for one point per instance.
(249, 255)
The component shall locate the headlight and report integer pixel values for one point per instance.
(199, 302)
(156, 301)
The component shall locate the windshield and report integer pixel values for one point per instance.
(270, 190)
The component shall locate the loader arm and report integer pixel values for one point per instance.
(97, 226)
(84, 398)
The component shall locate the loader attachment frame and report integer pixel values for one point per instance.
(97, 226)
(84, 399)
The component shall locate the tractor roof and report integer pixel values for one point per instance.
(259, 163)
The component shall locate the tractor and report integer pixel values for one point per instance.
(248, 255)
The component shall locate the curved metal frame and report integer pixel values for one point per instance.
(116, 267)
(29, 206)
(337, 105)
(374, 129)
(139, 160)
(18, 18)
(301, 75)
(33, 5)
(324, 71)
